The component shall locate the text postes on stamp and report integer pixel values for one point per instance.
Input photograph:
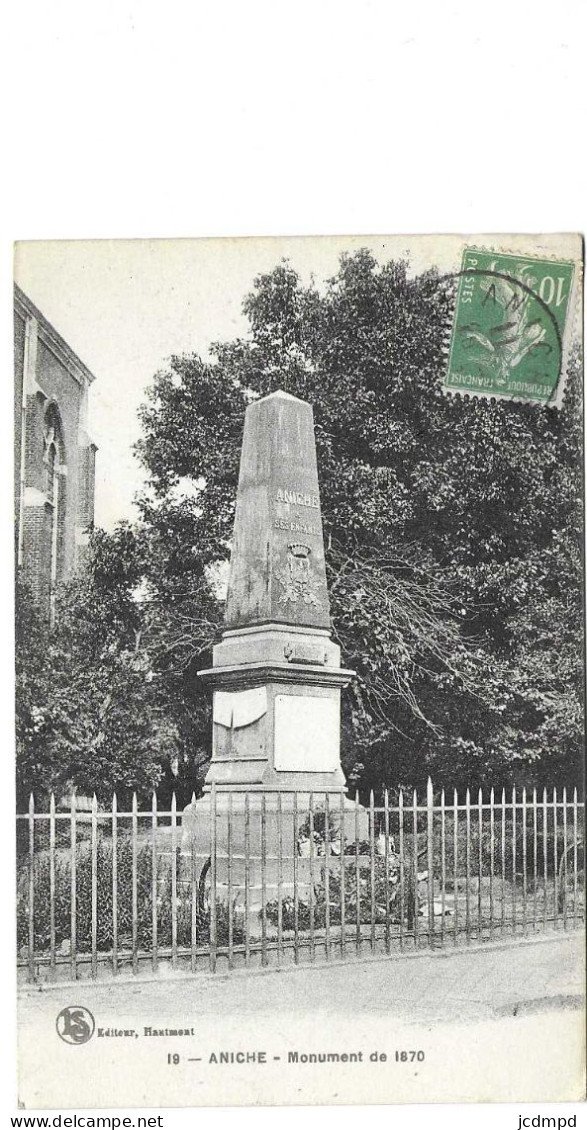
(510, 328)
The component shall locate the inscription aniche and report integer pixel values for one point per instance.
(298, 498)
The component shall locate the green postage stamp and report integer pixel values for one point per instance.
(511, 325)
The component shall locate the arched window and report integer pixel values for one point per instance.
(54, 460)
(50, 461)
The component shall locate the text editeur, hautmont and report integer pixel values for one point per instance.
(147, 1031)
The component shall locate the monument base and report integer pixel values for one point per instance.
(257, 846)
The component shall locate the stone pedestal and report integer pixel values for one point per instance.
(276, 710)
(262, 845)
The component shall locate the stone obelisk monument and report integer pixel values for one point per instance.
(276, 676)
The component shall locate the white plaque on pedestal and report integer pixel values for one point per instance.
(241, 708)
(307, 733)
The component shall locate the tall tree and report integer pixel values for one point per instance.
(453, 545)
(452, 526)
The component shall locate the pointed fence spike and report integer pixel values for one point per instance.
(52, 803)
(134, 802)
(193, 800)
(154, 801)
(173, 802)
(114, 802)
(32, 803)
(429, 788)
(94, 802)
(492, 794)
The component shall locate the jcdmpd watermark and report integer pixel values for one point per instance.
(558, 1123)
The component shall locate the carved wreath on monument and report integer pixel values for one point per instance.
(296, 577)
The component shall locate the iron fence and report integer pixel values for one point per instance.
(269, 878)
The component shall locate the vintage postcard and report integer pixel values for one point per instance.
(299, 671)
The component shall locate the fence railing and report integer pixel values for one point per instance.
(267, 878)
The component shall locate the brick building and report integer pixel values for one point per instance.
(54, 456)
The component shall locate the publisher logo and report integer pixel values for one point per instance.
(75, 1024)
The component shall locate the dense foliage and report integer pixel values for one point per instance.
(124, 906)
(453, 542)
(87, 712)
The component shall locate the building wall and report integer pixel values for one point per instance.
(54, 456)
(19, 338)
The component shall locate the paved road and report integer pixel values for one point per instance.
(495, 1022)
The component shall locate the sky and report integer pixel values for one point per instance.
(124, 306)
